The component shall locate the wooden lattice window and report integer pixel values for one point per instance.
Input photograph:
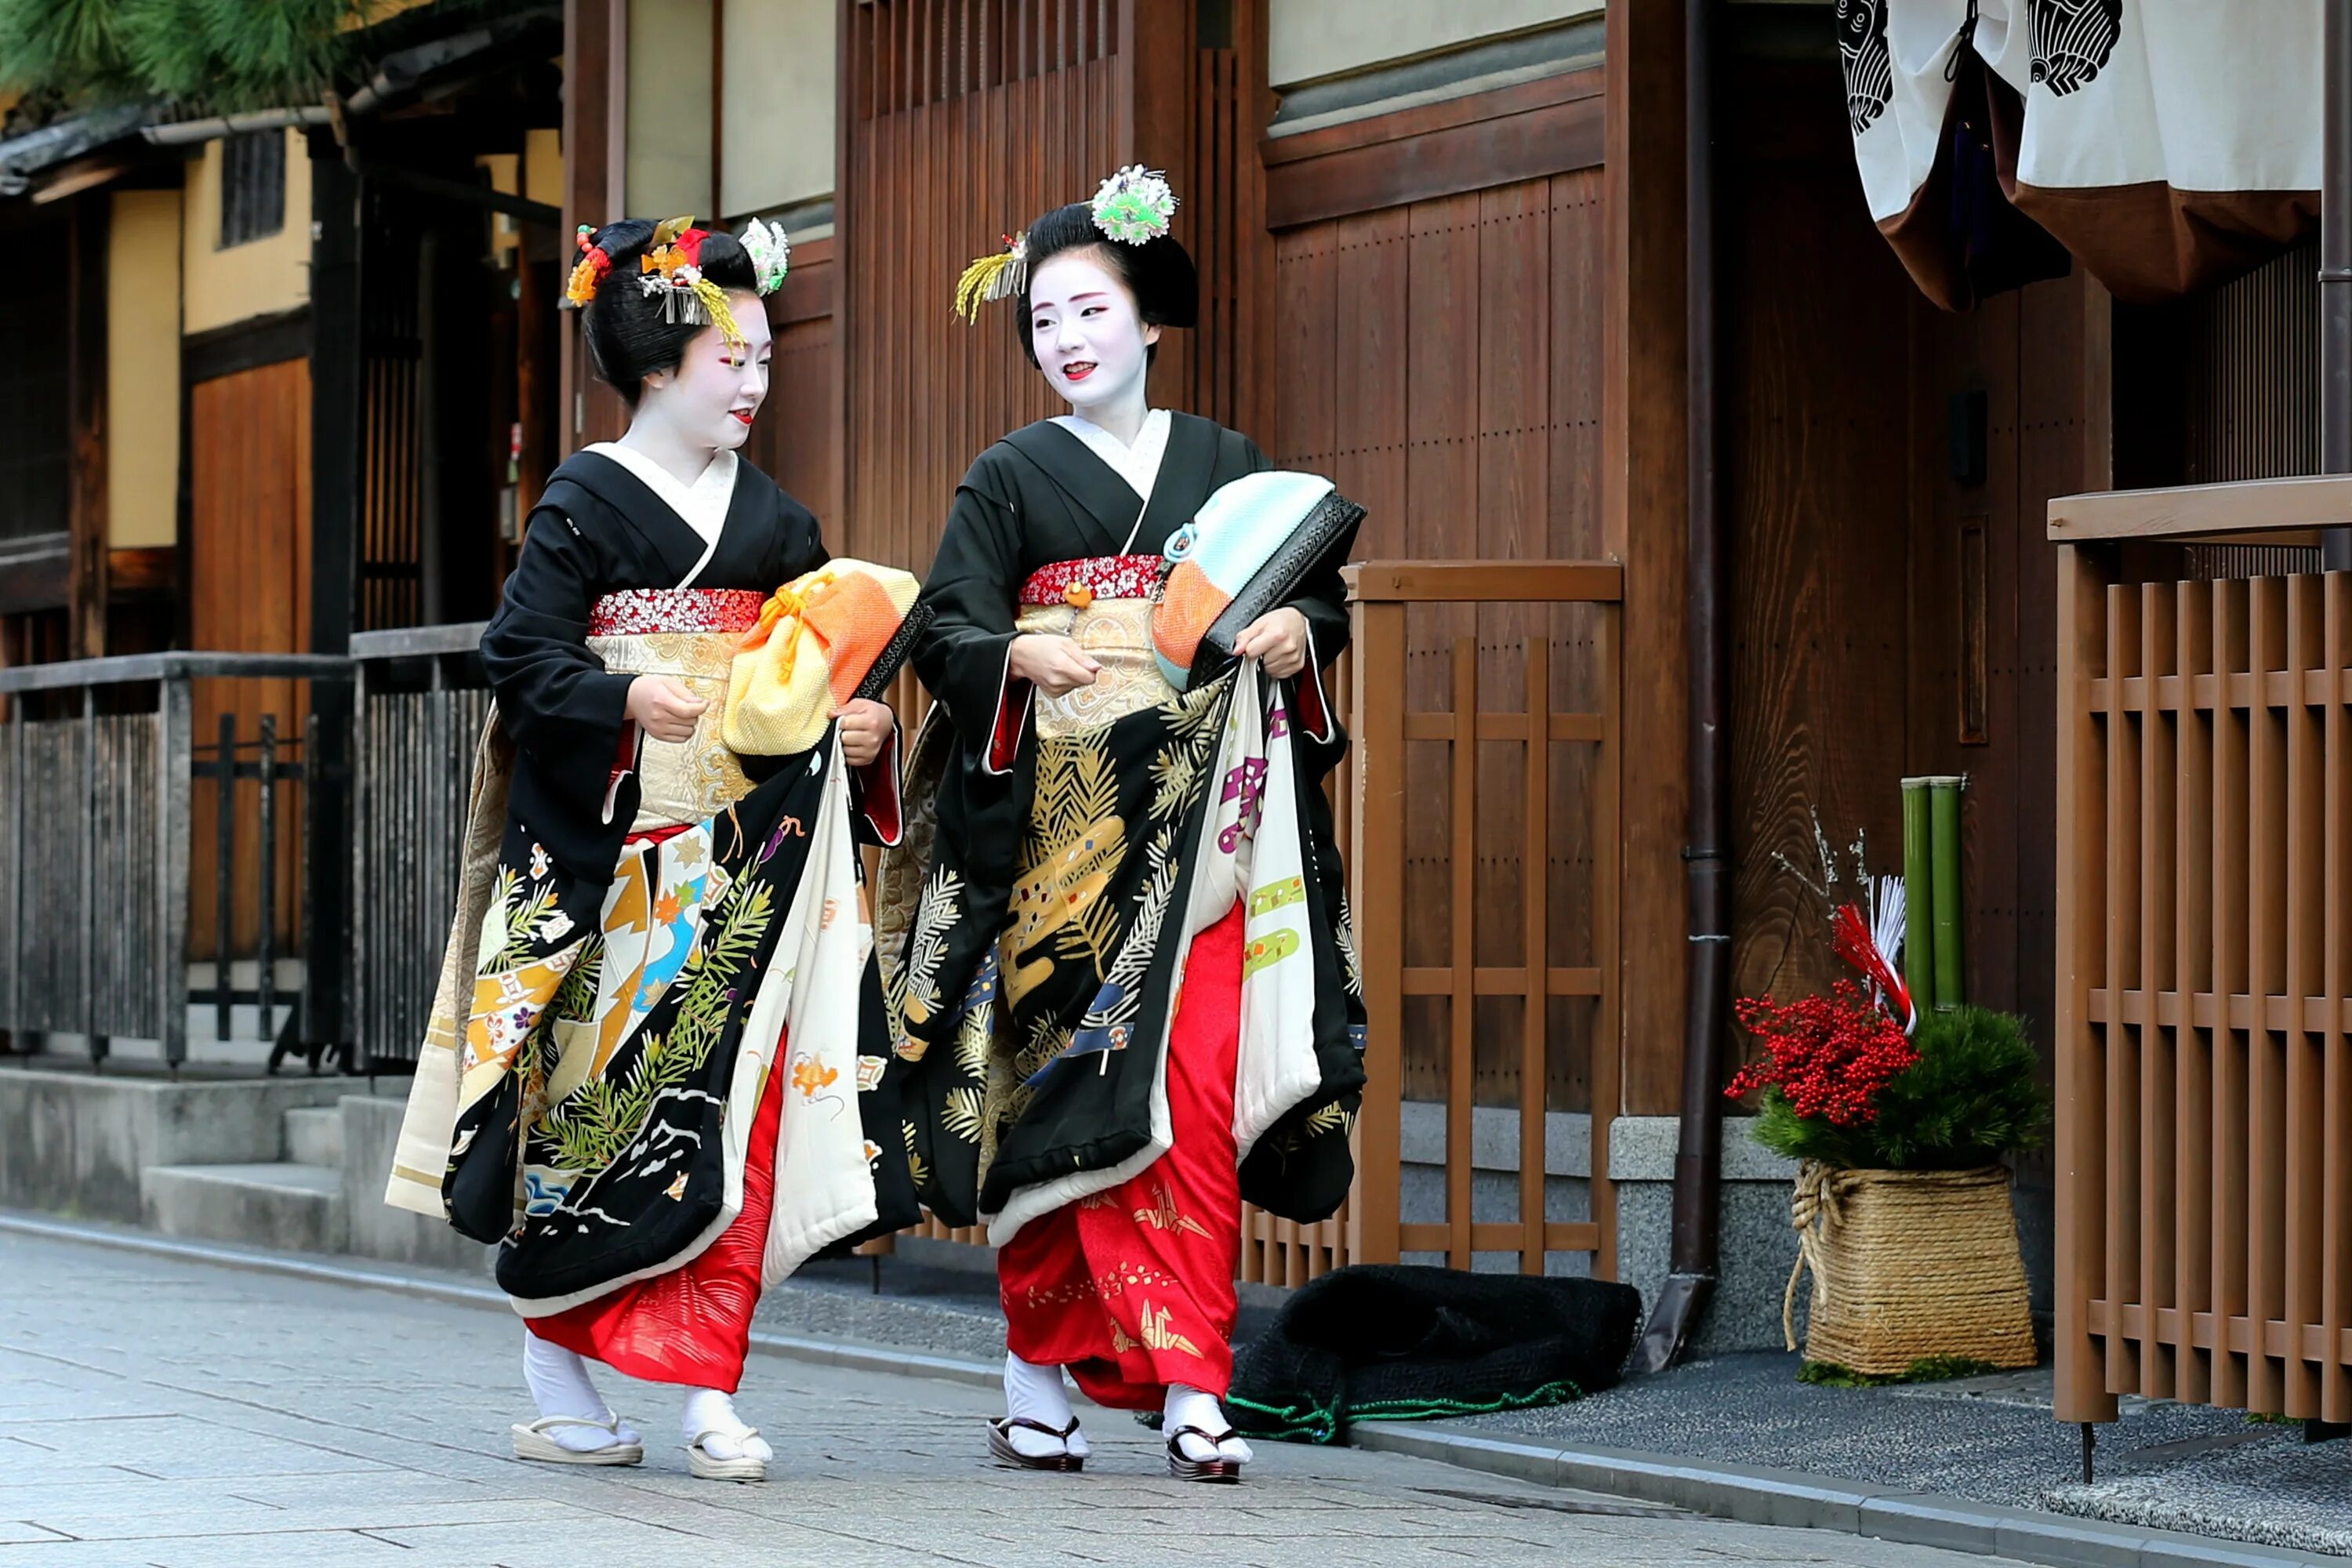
(253, 187)
(36, 437)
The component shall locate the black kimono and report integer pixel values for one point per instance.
(656, 1071)
(598, 530)
(1000, 1103)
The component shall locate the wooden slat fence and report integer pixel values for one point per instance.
(101, 812)
(1387, 795)
(421, 704)
(2204, 960)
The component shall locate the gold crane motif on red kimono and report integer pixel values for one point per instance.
(1163, 1214)
(1157, 1334)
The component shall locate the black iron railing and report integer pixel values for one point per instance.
(421, 705)
(99, 764)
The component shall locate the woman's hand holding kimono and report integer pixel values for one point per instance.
(865, 728)
(1276, 639)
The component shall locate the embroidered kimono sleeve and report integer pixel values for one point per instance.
(563, 708)
(963, 655)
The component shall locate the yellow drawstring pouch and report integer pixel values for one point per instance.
(816, 639)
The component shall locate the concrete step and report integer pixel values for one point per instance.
(286, 1204)
(74, 1142)
(314, 1136)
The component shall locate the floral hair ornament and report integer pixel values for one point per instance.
(588, 271)
(1000, 275)
(1134, 205)
(771, 253)
(671, 269)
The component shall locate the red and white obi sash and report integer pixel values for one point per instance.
(645, 612)
(1078, 583)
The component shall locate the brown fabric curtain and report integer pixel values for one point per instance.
(2166, 145)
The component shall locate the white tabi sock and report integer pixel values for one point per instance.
(1034, 1393)
(1190, 1407)
(560, 1385)
(710, 1417)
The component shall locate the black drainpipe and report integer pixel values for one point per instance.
(2336, 267)
(1699, 1163)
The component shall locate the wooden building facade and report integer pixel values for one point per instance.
(1464, 302)
(1443, 261)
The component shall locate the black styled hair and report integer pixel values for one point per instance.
(627, 338)
(1159, 272)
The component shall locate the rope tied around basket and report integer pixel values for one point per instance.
(1817, 1204)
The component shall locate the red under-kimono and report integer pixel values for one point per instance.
(1097, 1285)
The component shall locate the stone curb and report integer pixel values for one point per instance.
(1746, 1493)
(1753, 1495)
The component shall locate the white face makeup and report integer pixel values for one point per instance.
(1084, 327)
(708, 401)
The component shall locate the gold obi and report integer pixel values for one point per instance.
(1117, 634)
(690, 636)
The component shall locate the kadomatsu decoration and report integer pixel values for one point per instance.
(1900, 1124)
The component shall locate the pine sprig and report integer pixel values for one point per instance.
(203, 55)
(1972, 1099)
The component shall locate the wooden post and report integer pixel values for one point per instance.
(1462, 1008)
(2081, 1257)
(595, 148)
(1376, 869)
(1607, 828)
(1535, 926)
(337, 458)
(1643, 487)
(174, 758)
(86, 506)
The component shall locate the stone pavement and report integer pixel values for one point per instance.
(161, 1412)
(1989, 1440)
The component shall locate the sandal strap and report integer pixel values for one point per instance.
(550, 1423)
(739, 1434)
(1202, 1433)
(1062, 1434)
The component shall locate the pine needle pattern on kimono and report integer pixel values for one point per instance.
(1176, 771)
(915, 1166)
(589, 1130)
(519, 937)
(963, 1113)
(927, 945)
(1077, 804)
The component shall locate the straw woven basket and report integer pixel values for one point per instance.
(1908, 1265)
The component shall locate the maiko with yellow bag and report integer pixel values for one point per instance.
(819, 640)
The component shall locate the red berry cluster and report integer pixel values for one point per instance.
(1830, 1055)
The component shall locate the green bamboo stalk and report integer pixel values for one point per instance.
(1918, 935)
(1943, 795)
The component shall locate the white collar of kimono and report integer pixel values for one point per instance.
(1139, 464)
(701, 506)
